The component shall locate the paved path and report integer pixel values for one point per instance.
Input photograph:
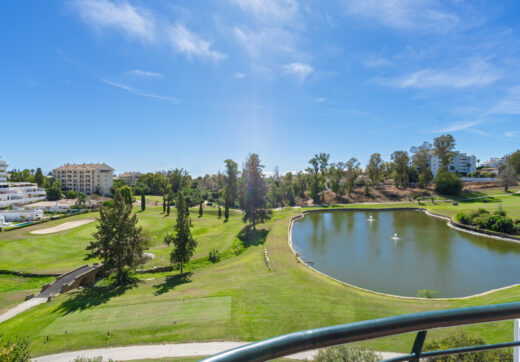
(166, 351)
(51, 291)
(65, 226)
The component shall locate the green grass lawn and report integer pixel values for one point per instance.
(14, 289)
(65, 250)
(246, 301)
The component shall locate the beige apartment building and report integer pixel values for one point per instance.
(86, 177)
(130, 178)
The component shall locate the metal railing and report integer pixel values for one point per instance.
(360, 331)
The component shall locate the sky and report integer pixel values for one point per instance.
(157, 85)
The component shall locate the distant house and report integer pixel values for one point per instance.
(130, 178)
(89, 178)
(461, 163)
(495, 162)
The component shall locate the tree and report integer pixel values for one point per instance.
(169, 200)
(315, 184)
(447, 183)
(143, 200)
(323, 160)
(38, 177)
(231, 189)
(184, 244)
(54, 192)
(352, 173)
(127, 194)
(164, 203)
(119, 242)
(400, 161)
(255, 191)
(507, 175)
(514, 161)
(81, 199)
(420, 158)
(200, 210)
(443, 147)
(226, 212)
(219, 212)
(375, 168)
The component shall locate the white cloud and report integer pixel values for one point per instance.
(102, 14)
(192, 44)
(476, 73)
(510, 104)
(239, 75)
(511, 134)
(266, 43)
(429, 15)
(144, 73)
(319, 100)
(458, 126)
(139, 92)
(269, 10)
(376, 62)
(300, 70)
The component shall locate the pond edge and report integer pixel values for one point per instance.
(429, 213)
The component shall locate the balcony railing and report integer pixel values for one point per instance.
(360, 331)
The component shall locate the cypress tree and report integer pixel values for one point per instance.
(143, 201)
(164, 203)
(200, 210)
(184, 244)
(219, 212)
(226, 212)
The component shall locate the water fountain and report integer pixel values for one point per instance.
(371, 218)
(395, 237)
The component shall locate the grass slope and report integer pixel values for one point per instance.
(251, 303)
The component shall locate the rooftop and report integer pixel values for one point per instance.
(83, 166)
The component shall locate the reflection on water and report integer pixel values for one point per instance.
(427, 254)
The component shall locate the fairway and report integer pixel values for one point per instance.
(251, 302)
(141, 315)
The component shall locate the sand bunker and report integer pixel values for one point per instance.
(65, 226)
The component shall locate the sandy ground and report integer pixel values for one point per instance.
(167, 350)
(65, 226)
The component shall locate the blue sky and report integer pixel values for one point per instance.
(152, 85)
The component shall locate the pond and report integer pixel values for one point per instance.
(361, 249)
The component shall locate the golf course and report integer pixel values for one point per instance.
(236, 299)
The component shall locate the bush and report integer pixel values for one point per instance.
(486, 221)
(503, 225)
(499, 213)
(447, 183)
(15, 351)
(427, 293)
(462, 340)
(346, 354)
(464, 218)
(478, 212)
(214, 256)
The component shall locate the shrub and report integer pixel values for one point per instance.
(499, 213)
(447, 183)
(15, 351)
(214, 256)
(486, 221)
(427, 293)
(346, 354)
(464, 218)
(503, 225)
(462, 340)
(478, 212)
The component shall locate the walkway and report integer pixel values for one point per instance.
(51, 291)
(167, 351)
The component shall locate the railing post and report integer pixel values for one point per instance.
(516, 350)
(418, 345)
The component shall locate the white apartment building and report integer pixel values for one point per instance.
(130, 178)
(86, 177)
(17, 193)
(461, 163)
(494, 162)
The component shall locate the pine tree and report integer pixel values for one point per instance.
(219, 212)
(143, 201)
(38, 177)
(226, 212)
(200, 210)
(184, 244)
(164, 203)
(119, 242)
(255, 191)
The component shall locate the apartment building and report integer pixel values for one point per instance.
(130, 178)
(17, 193)
(461, 163)
(86, 177)
(495, 162)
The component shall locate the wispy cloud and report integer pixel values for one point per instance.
(144, 73)
(239, 75)
(103, 15)
(300, 70)
(191, 44)
(319, 100)
(139, 92)
(510, 104)
(428, 15)
(458, 126)
(376, 62)
(269, 10)
(511, 134)
(475, 73)
(267, 42)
